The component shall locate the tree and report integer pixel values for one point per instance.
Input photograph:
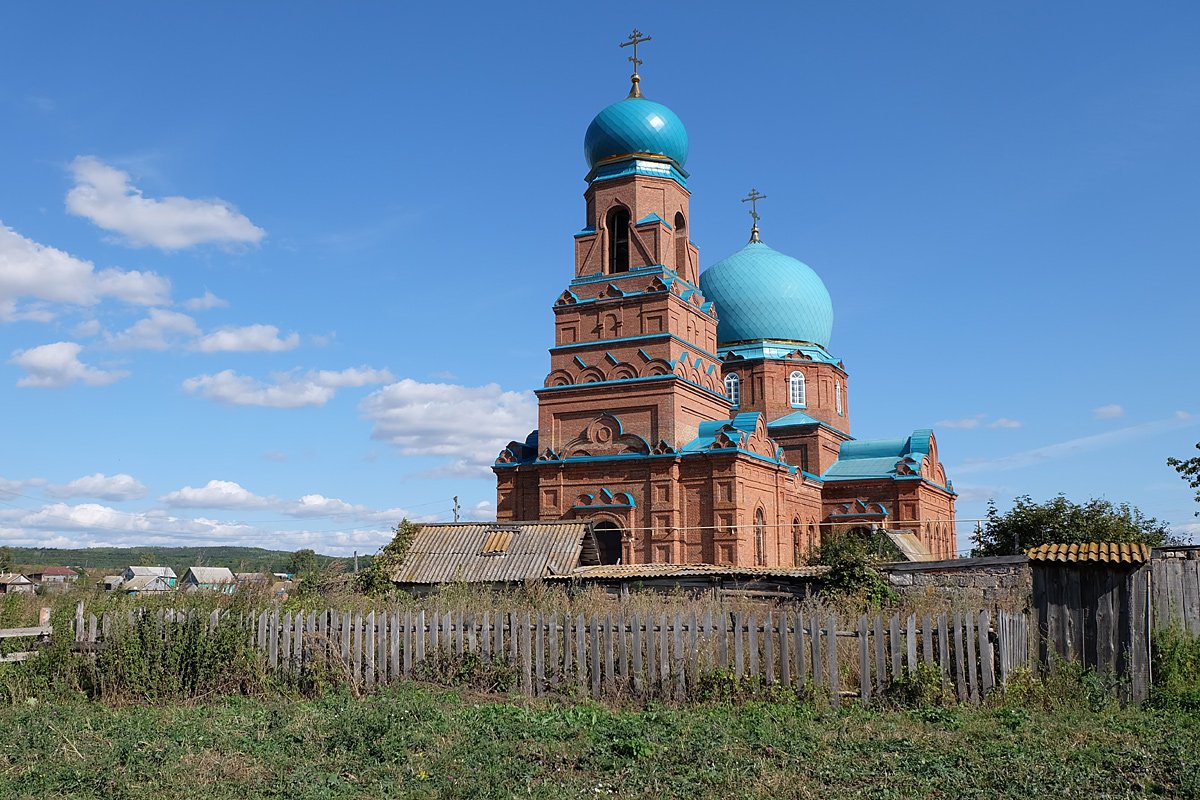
(1060, 521)
(853, 557)
(302, 563)
(376, 577)
(1189, 470)
(6, 559)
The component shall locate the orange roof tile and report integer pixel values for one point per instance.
(1097, 552)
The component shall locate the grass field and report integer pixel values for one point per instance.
(416, 741)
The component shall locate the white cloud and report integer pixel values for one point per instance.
(1005, 422)
(289, 390)
(159, 330)
(1182, 415)
(52, 366)
(316, 505)
(247, 339)
(966, 422)
(106, 196)
(462, 422)
(32, 270)
(1110, 411)
(18, 487)
(216, 494)
(89, 327)
(106, 487)
(206, 301)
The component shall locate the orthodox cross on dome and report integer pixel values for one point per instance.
(635, 39)
(753, 199)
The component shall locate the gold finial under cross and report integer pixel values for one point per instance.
(635, 39)
(753, 199)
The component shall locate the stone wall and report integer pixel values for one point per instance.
(1001, 581)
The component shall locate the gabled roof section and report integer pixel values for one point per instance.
(1091, 552)
(496, 552)
(881, 458)
(211, 575)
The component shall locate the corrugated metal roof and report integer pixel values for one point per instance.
(458, 552)
(635, 571)
(210, 574)
(1107, 552)
(910, 546)
(13, 578)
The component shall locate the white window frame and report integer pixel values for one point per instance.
(733, 389)
(837, 398)
(797, 390)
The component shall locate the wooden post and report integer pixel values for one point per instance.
(609, 679)
(526, 632)
(818, 662)
(555, 670)
(864, 661)
(972, 680)
(664, 663)
(651, 656)
(785, 655)
(801, 669)
(739, 656)
(769, 648)
(680, 675)
(368, 633)
(835, 684)
(987, 658)
(881, 676)
(752, 648)
(594, 637)
(944, 651)
(638, 681)
(960, 657)
(79, 621)
(894, 645)
(581, 663)
(911, 641)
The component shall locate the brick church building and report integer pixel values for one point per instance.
(698, 416)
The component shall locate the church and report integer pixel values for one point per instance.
(697, 416)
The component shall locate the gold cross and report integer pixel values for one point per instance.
(753, 199)
(635, 38)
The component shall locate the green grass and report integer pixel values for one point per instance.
(413, 741)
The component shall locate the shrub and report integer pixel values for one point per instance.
(852, 559)
(1176, 659)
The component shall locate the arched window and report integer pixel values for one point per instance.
(681, 242)
(618, 239)
(797, 542)
(760, 533)
(608, 542)
(733, 389)
(837, 397)
(796, 389)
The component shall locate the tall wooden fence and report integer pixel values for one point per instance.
(667, 656)
(1175, 584)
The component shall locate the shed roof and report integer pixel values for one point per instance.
(166, 572)
(910, 546)
(636, 571)
(490, 552)
(1106, 552)
(13, 578)
(56, 571)
(146, 583)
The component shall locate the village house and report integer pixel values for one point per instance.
(54, 578)
(166, 573)
(211, 579)
(13, 583)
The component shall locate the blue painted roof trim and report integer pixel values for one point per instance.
(791, 421)
(652, 217)
(645, 337)
(640, 272)
(645, 379)
(775, 350)
(625, 167)
(585, 232)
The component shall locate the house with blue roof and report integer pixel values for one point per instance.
(698, 416)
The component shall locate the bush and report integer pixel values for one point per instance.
(852, 559)
(1176, 659)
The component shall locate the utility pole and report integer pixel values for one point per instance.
(356, 562)
(456, 509)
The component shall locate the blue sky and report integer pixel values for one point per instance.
(281, 273)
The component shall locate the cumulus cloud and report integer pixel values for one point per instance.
(289, 390)
(1110, 411)
(52, 366)
(216, 494)
(247, 339)
(206, 301)
(106, 487)
(107, 197)
(29, 270)
(461, 422)
(159, 330)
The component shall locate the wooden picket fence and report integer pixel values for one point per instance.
(664, 656)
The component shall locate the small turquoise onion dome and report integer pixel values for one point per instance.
(763, 294)
(635, 126)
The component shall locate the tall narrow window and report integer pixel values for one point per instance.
(796, 389)
(681, 242)
(837, 397)
(733, 389)
(618, 239)
(760, 535)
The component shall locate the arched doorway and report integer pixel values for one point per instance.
(608, 542)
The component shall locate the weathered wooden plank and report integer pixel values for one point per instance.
(622, 649)
(367, 635)
(723, 641)
(78, 630)
(752, 645)
(960, 658)
(1190, 580)
(514, 622)
(1158, 593)
(651, 656)
(831, 649)
(739, 654)
(693, 646)
(472, 623)
(927, 639)
(407, 648)
(93, 624)
(581, 664)
(523, 639)
(910, 640)
(769, 634)
(39, 630)
(677, 670)
(881, 674)
(635, 625)
(1173, 573)
(987, 656)
(539, 654)
(419, 639)
(568, 660)
(818, 661)
(553, 657)
(273, 640)
(594, 639)
(969, 635)
(894, 646)
(864, 661)
(1136, 641)
(664, 660)
(944, 651)
(609, 678)
(801, 652)
(710, 660)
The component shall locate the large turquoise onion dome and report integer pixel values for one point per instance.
(763, 294)
(635, 126)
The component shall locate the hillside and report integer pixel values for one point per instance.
(114, 559)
